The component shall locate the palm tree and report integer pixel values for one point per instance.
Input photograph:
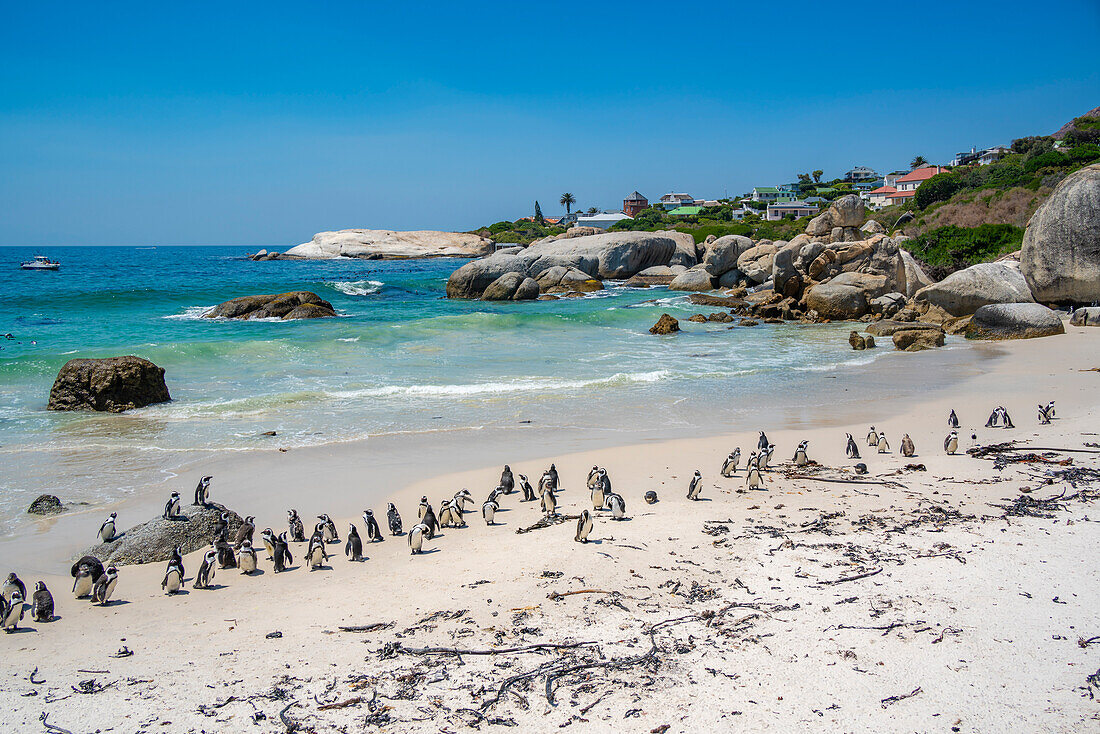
(592, 211)
(817, 175)
(918, 162)
(567, 200)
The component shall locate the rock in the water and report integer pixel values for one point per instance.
(706, 299)
(1014, 321)
(847, 296)
(720, 317)
(695, 278)
(1089, 316)
(697, 318)
(869, 341)
(1060, 258)
(154, 540)
(965, 291)
(665, 325)
(756, 262)
(512, 287)
(46, 504)
(560, 279)
(723, 253)
(889, 328)
(385, 244)
(847, 211)
(113, 384)
(286, 306)
(857, 341)
(915, 340)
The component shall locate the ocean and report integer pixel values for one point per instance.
(401, 359)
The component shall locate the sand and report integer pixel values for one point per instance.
(961, 618)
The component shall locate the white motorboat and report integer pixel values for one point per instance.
(41, 262)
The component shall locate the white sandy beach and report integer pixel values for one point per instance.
(966, 620)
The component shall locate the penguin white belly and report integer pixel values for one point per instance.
(107, 534)
(172, 582)
(83, 586)
(248, 562)
(11, 619)
(108, 590)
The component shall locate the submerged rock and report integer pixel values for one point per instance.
(915, 340)
(285, 306)
(46, 504)
(665, 325)
(113, 385)
(1014, 321)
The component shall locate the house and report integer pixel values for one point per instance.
(867, 185)
(552, 221)
(683, 211)
(634, 204)
(603, 220)
(797, 208)
(982, 157)
(671, 201)
(909, 183)
(891, 179)
(772, 194)
(860, 173)
(877, 198)
(708, 202)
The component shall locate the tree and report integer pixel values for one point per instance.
(804, 177)
(817, 175)
(538, 214)
(567, 200)
(940, 187)
(592, 211)
(918, 162)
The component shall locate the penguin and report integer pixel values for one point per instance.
(245, 531)
(268, 537)
(617, 505)
(447, 518)
(12, 585)
(107, 529)
(549, 503)
(753, 477)
(489, 510)
(424, 507)
(370, 525)
(545, 483)
(599, 493)
(201, 491)
(695, 487)
(883, 445)
(85, 573)
(221, 527)
(105, 587)
(429, 521)
(584, 527)
(315, 553)
(394, 519)
(729, 466)
(762, 443)
(507, 481)
(952, 419)
(246, 557)
(12, 612)
(994, 417)
(296, 526)
(416, 537)
(800, 458)
(172, 507)
(860, 468)
(462, 496)
(907, 447)
(1006, 419)
(173, 578)
(592, 474)
(1044, 417)
(177, 557)
(872, 437)
(328, 529)
(951, 443)
(226, 557)
(42, 603)
(852, 449)
(651, 497)
(553, 472)
(206, 569)
(353, 549)
(764, 457)
(526, 488)
(282, 557)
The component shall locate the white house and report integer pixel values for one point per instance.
(797, 208)
(673, 201)
(603, 220)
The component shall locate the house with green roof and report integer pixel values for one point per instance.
(772, 194)
(683, 211)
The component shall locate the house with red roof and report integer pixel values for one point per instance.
(903, 188)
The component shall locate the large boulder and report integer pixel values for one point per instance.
(512, 287)
(820, 226)
(722, 254)
(889, 304)
(785, 275)
(913, 274)
(1089, 316)
(1014, 321)
(847, 211)
(285, 306)
(611, 255)
(153, 541)
(46, 504)
(560, 279)
(113, 384)
(915, 340)
(693, 279)
(1060, 258)
(665, 325)
(965, 291)
(687, 252)
(872, 227)
(385, 244)
(756, 262)
(847, 296)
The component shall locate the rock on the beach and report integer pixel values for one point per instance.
(113, 384)
(915, 340)
(785, 274)
(1060, 257)
(687, 251)
(706, 299)
(847, 296)
(965, 291)
(695, 278)
(889, 328)
(756, 262)
(857, 341)
(1014, 321)
(154, 540)
(391, 245)
(1089, 316)
(560, 279)
(665, 325)
(820, 226)
(285, 306)
(722, 254)
(46, 504)
(889, 304)
(847, 211)
(512, 287)
(913, 274)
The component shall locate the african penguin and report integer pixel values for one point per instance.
(107, 529)
(762, 443)
(695, 487)
(549, 503)
(226, 557)
(598, 494)
(105, 587)
(173, 578)
(951, 443)
(353, 549)
(553, 472)
(296, 526)
(315, 553)
(394, 519)
(12, 612)
(651, 497)
(42, 603)
(424, 507)
(526, 488)
(489, 510)
(872, 437)
(268, 537)
(800, 458)
(206, 570)
(907, 447)
(584, 527)
(13, 584)
(85, 573)
(952, 419)
(370, 525)
(851, 450)
(328, 529)
(416, 537)
(753, 477)
(617, 505)
(172, 507)
(246, 557)
(429, 521)
(592, 474)
(729, 466)
(245, 531)
(201, 491)
(282, 556)
(883, 446)
(447, 517)
(507, 481)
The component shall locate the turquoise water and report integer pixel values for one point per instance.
(401, 358)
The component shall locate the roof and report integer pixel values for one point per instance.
(921, 174)
(766, 189)
(635, 196)
(792, 205)
(685, 210)
(902, 194)
(677, 197)
(884, 190)
(603, 216)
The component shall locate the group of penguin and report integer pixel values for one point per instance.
(91, 579)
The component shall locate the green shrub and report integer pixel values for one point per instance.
(940, 187)
(1084, 153)
(960, 247)
(1050, 159)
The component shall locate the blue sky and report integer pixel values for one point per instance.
(262, 123)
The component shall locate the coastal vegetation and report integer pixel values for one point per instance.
(946, 249)
(712, 220)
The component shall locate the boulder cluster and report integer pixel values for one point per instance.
(285, 306)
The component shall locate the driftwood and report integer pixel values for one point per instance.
(852, 578)
(50, 728)
(538, 647)
(883, 482)
(342, 704)
(376, 627)
(555, 595)
(894, 699)
(291, 726)
(547, 522)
